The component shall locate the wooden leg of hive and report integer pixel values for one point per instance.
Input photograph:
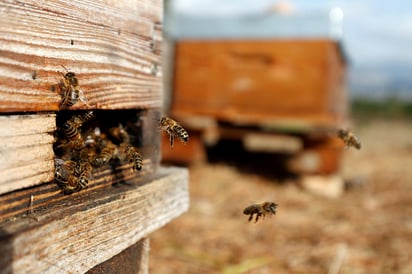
(103, 225)
(133, 260)
(319, 165)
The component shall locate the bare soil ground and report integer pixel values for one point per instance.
(367, 230)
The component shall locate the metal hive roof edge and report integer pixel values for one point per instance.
(255, 26)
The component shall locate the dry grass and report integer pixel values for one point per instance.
(367, 230)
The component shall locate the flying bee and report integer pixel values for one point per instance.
(70, 89)
(127, 151)
(260, 210)
(84, 173)
(349, 138)
(105, 155)
(174, 130)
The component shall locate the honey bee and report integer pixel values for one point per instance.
(63, 169)
(260, 210)
(72, 176)
(73, 135)
(65, 175)
(79, 119)
(132, 155)
(70, 89)
(105, 155)
(349, 138)
(84, 172)
(174, 130)
(120, 134)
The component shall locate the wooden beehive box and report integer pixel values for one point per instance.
(260, 81)
(269, 81)
(114, 47)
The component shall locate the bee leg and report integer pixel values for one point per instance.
(257, 217)
(171, 139)
(251, 217)
(68, 190)
(64, 96)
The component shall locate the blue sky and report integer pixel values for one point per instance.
(375, 32)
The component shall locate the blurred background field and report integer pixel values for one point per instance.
(391, 108)
(366, 228)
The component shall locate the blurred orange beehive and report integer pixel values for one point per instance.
(244, 78)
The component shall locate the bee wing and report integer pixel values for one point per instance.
(58, 162)
(73, 94)
(91, 173)
(82, 97)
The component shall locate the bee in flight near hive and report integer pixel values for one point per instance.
(349, 138)
(260, 210)
(70, 89)
(174, 130)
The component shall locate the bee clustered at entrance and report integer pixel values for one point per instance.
(88, 140)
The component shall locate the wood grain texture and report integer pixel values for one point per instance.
(26, 153)
(86, 229)
(17, 203)
(113, 47)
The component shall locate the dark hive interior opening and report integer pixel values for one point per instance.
(88, 140)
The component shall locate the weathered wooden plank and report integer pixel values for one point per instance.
(17, 203)
(119, 14)
(26, 153)
(113, 47)
(88, 228)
